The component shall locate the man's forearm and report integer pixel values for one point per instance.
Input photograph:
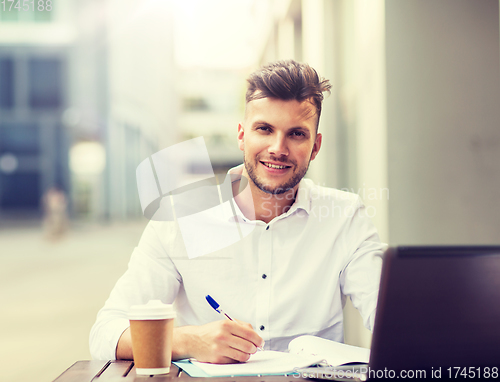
(183, 341)
(124, 347)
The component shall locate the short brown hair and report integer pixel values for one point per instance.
(288, 80)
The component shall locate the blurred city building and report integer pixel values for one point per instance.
(34, 60)
(53, 86)
(90, 89)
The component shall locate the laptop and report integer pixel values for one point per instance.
(438, 315)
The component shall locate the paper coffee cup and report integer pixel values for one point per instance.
(152, 327)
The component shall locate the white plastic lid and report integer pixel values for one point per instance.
(153, 310)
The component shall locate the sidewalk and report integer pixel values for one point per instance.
(50, 294)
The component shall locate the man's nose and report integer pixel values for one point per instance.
(278, 146)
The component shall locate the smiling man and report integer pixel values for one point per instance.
(307, 250)
(279, 135)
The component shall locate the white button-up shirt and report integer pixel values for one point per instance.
(287, 278)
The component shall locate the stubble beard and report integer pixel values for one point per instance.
(282, 188)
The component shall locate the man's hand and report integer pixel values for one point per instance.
(217, 342)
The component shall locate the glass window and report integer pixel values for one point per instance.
(19, 138)
(6, 83)
(45, 83)
(20, 190)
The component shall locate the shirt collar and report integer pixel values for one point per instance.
(302, 198)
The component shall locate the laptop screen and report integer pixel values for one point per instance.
(438, 307)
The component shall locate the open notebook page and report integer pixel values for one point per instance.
(335, 353)
(260, 363)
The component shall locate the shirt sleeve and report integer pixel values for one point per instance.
(360, 277)
(150, 275)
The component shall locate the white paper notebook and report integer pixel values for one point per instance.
(260, 363)
(304, 351)
(334, 353)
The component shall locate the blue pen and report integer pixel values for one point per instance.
(214, 304)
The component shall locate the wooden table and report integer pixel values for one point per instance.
(124, 371)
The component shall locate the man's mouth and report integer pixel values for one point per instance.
(279, 167)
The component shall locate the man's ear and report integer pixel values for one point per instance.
(241, 137)
(316, 146)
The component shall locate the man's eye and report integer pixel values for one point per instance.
(264, 128)
(298, 134)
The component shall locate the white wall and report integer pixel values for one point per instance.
(443, 97)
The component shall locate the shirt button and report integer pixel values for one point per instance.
(262, 327)
(264, 276)
(267, 228)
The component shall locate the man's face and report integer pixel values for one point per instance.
(279, 140)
